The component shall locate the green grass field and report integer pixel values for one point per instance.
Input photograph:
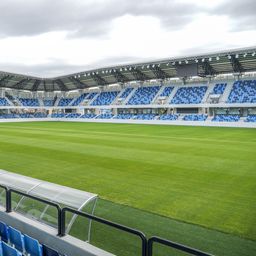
(194, 185)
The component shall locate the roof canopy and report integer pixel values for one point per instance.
(231, 61)
(59, 194)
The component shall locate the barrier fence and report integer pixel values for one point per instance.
(146, 244)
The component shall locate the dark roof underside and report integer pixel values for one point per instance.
(237, 61)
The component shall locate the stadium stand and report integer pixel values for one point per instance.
(124, 116)
(251, 118)
(194, 117)
(73, 115)
(145, 116)
(58, 115)
(167, 91)
(14, 243)
(4, 102)
(219, 88)
(226, 118)
(143, 95)
(104, 98)
(88, 116)
(48, 103)
(243, 92)
(104, 116)
(189, 95)
(169, 117)
(29, 102)
(126, 92)
(80, 99)
(64, 102)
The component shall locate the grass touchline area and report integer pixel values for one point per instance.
(179, 177)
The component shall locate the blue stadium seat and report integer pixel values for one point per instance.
(195, 117)
(168, 117)
(4, 234)
(166, 92)
(27, 102)
(251, 118)
(89, 116)
(64, 102)
(243, 92)
(48, 251)
(8, 250)
(104, 98)
(4, 102)
(73, 115)
(104, 116)
(48, 103)
(145, 116)
(226, 118)
(189, 95)
(143, 95)
(58, 115)
(80, 99)
(123, 116)
(32, 246)
(126, 92)
(219, 88)
(16, 239)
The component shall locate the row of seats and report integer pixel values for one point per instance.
(226, 118)
(251, 118)
(143, 95)
(166, 92)
(195, 117)
(167, 117)
(27, 102)
(219, 88)
(63, 102)
(105, 98)
(243, 92)
(4, 102)
(14, 243)
(48, 103)
(23, 115)
(189, 95)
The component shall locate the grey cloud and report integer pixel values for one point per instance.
(241, 13)
(57, 67)
(85, 18)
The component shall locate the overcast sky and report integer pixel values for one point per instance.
(48, 38)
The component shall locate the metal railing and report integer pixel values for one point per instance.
(108, 223)
(177, 246)
(146, 244)
(47, 202)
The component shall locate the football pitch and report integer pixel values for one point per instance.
(193, 185)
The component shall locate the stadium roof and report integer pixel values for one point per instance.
(232, 61)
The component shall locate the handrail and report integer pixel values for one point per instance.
(6, 195)
(106, 222)
(147, 245)
(174, 245)
(9, 208)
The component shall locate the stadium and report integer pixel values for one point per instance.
(147, 158)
